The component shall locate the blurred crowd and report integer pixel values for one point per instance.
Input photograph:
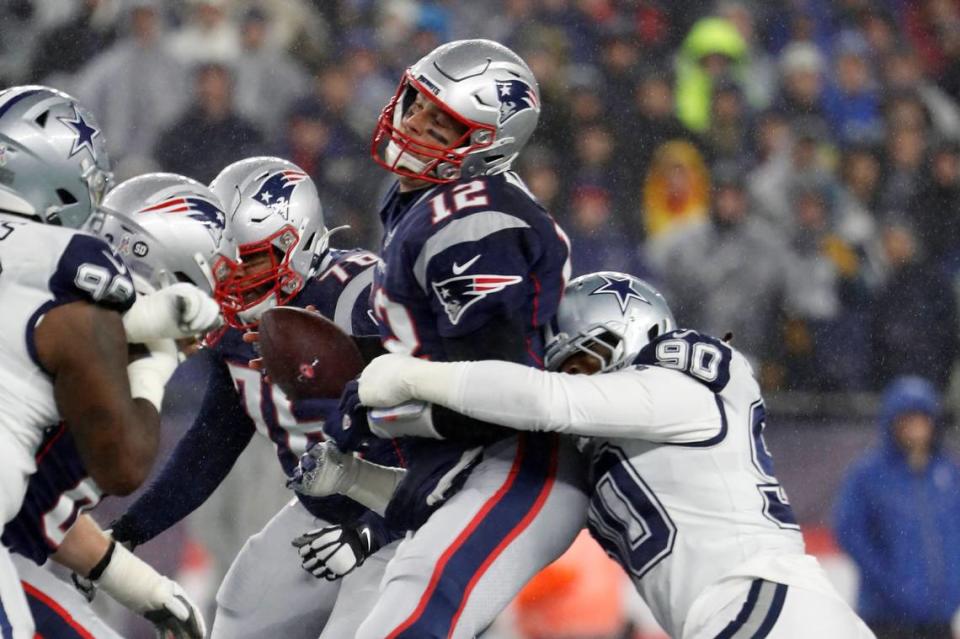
(786, 170)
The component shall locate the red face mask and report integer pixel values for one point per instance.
(440, 164)
(272, 277)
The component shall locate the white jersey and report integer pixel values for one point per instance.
(684, 490)
(41, 267)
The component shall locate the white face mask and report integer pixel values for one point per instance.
(406, 159)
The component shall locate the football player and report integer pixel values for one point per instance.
(684, 494)
(473, 268)
(275, 216)
(169, 230)
(63, 348)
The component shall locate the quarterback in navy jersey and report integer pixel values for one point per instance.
(473, 268)
(274, 214)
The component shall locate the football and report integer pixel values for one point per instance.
(307, 355)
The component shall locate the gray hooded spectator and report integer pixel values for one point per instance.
(207, 35)
(135, 87)
(728, 273)
(267, 80)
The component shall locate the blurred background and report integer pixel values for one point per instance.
(787, 170)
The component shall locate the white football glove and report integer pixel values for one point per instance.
(177, 311)
(335, 551)
(143, 590)
(386, 380)
(324, 470)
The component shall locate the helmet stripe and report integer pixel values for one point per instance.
(6, 106)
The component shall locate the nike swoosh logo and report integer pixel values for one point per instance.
(458, 270)
(365, 535)
(120, 266)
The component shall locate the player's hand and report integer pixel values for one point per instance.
(383, 381)
(348, 428)
(335, 551)
(177, 311)
(322, 471)
(139, 587)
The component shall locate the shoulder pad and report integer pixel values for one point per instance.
(704, 358)
(89, 269)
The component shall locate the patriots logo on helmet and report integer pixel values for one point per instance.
(515, 96)
(620, 288)
(457, 294)
(84, 132)
(276, 190)
(196, 208)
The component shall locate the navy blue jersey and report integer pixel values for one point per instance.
(56, 495)
(238, 402)
(457, 257)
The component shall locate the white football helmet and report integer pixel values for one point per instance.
(275, 215)
(53, 160)
(170, 228)
(621, 312)
(481, 84)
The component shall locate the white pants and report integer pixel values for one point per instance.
(359, 592)
(768, 610)
(59, 611)
(266, 592)
(15, 619)
(520, 509)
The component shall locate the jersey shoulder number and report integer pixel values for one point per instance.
(704, 358)
(89, 269)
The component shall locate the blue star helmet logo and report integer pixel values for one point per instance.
(84, 132)
(622, 289)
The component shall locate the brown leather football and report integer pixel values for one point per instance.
(307, 355)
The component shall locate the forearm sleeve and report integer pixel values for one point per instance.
(653, 404)
(199, 463)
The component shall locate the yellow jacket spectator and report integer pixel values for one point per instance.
(676, 191)
(713, 49)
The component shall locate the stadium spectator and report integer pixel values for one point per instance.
(936, 208)
(898, 516)
(598, 242)
(90, 31)
(915, 326)
(209, 135)
(267, 79)
(676, 191)
(712, 285)
(135, 87)
(209, 34)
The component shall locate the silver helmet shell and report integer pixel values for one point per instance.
(170, 228)
(53, 159)
(619, 311)
(481, 84)
(272, 208)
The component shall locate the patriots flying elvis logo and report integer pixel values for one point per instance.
(276, 191)
(196, 208)
(457, 294)
(515, 96)
(622, 289)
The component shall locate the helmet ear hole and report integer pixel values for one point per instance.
(66, 197)
(41, 119)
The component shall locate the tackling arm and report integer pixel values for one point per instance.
(653, 403)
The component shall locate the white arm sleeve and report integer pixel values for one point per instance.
(652, 403)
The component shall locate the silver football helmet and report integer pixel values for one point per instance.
(618, 311)
(481, 84)
(275, 216)
(53, 160)
(170, 228)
